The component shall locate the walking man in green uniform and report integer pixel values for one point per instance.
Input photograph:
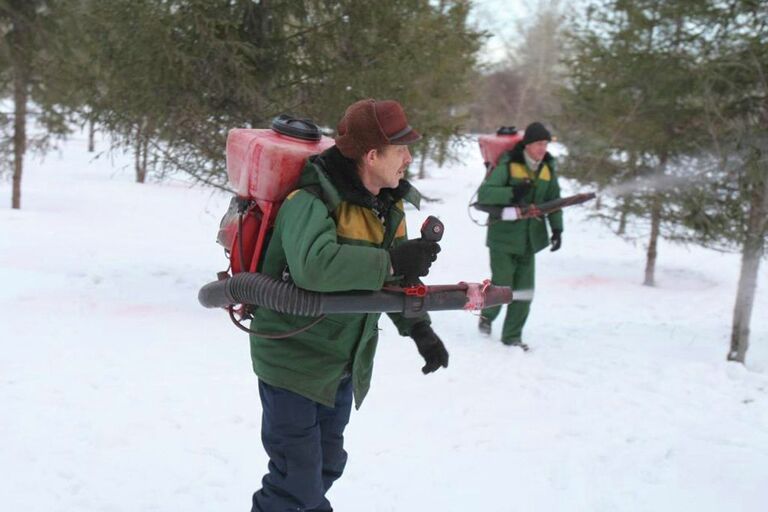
(525, 175)
(342, 229)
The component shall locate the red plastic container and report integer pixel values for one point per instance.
(263, 167)
(493, 146)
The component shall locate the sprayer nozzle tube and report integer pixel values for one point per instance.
(264, 291)
(534, 210)
(497, 295)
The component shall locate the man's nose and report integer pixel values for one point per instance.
(408, 158)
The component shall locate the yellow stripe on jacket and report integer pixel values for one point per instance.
(520, 171)
(401, 230)
(355, 222)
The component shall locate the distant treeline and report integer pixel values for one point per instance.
(169, 78)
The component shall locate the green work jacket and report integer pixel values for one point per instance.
(524, 236)
(330, 235)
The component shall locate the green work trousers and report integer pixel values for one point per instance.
(517, 271)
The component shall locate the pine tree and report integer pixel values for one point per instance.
(629, 113)
(26, 52)
(730, 208)
(171, 77)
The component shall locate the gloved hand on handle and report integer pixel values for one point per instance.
(430, 347)
(520, 212)
(519, 192)
(557, 240)
(412, 258)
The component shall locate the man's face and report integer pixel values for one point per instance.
(389, 166)
(537, 150)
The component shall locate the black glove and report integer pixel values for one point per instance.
(430, 347)
(520, 191)
(412, 259)
(556, 240)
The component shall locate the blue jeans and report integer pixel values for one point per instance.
(305, 444)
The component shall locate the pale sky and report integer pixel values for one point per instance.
(500, 18)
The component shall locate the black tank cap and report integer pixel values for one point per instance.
(506, 130)
(303, 129)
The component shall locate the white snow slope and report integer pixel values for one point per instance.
(119, 392)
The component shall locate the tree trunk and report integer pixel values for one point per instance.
(752, 252)
(139, 161)
(650, 262)
(625, 202)
(623, 217)
(521, 99)
(91, 136)
(423, 162)
(144, 157)
(19, 131)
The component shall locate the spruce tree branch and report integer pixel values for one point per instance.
(169, 156)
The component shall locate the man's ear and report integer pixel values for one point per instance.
(370, 156)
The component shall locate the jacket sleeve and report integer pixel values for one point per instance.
(496, 190)
(315, 259)
(553, 192)
(404, 325)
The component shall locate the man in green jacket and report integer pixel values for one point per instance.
(342, 229)
(525, 175)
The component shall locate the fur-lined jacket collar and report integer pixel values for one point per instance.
(516, 155)
(338, 176)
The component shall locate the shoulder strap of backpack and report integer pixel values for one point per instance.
(317, 191)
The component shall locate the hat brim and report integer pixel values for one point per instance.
(409, 137)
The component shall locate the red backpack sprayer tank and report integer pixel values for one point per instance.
(495, 145)
(263, 166)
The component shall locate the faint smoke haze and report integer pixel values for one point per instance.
(658, 184)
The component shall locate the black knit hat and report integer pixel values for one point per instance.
(535, 132)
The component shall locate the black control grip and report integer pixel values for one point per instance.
(432, 229)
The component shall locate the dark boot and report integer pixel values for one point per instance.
(484, 326)
(516, 343)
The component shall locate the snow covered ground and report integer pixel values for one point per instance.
(120, 393)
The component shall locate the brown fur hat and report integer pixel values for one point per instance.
(370, 124)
